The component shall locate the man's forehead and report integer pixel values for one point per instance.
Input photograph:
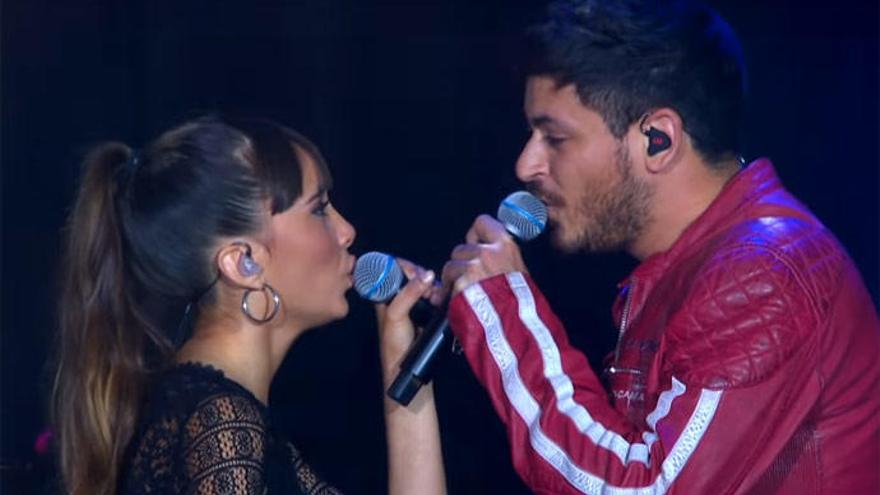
(547, 92)
(547, 103)
(549, 85)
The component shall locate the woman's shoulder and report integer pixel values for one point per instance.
(196, 420)
(195, 390)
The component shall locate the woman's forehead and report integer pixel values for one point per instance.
(315, 174)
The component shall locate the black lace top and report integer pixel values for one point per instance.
(202, 433)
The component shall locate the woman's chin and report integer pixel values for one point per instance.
(343, 310)
(340, 311)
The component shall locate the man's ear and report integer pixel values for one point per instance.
(237, 264)
(663, 136)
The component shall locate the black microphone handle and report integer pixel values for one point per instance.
(423, 313)
(418, 366)
(518, 210)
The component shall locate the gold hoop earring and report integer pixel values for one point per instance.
(276, 303)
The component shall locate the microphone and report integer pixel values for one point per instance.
(378, 277)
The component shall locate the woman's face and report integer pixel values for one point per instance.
(309, 262)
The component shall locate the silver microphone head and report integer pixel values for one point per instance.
(377, 276)
(523, 215)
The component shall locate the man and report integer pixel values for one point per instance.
(748, 352)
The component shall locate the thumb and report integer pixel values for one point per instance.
(418, 286)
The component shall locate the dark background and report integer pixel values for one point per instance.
(416, 108)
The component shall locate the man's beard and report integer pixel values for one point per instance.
(611, 215)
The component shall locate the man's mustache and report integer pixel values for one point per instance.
(549, 198)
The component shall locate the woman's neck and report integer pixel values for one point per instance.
(246, 353)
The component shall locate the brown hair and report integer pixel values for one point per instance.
(137, 251)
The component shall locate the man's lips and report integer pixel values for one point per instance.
(549, 199)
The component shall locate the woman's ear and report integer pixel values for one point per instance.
(236, 263)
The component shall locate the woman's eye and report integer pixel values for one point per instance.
(321, 208)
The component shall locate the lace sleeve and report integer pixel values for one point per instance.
(224, 447)
(308, 481)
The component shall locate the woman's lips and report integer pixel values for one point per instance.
(349, 276)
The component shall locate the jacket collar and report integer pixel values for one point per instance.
(742, 191)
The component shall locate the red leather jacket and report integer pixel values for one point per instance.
(749, 362)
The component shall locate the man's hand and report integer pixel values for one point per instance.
(488, 251)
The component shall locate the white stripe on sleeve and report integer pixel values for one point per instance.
(529, 410)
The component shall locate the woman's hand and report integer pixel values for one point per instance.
(415, 461)
(396, 330)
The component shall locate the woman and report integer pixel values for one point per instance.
(191, 268)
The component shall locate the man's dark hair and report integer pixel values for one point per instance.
(628, 57)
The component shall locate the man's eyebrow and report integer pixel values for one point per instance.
(542, 120)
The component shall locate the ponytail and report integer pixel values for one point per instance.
(102, 367)
(200, 182)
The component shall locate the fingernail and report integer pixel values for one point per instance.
(428, 277)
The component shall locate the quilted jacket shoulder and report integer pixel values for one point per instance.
(756, 301)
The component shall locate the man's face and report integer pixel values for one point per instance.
(584, 174)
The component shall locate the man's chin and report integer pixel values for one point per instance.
(572, 242)
(566, 243)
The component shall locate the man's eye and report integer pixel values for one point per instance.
(554, 141)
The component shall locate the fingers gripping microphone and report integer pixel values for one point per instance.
(378, 277)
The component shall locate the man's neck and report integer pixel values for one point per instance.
(678, 202)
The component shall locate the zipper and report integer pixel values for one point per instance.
(624, 324)
(624, 318)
